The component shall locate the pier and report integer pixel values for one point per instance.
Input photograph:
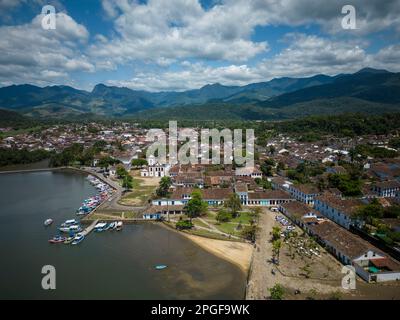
(89, 228)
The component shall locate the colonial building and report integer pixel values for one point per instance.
(158, 212)
(369, 262)
(155, 169)
(304, 193)
(248, 172)
(300, 213)
(181, 196)
(338, 210)
(261, 198)
(386, 188)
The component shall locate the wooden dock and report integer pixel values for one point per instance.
(89, 228)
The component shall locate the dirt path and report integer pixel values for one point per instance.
(261, 277)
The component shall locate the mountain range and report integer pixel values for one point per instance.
(367, 91)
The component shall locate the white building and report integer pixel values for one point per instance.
(368, 261)
(338, 210)
(155, 169)
(387, 189)
(304, 193)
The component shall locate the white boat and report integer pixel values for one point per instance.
(73, 228)
(68, 223)
(78, 239)
(100, 226)
(119, 225)
(48, 222)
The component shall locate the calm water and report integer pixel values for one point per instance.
(106, 265)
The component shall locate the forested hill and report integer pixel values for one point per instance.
(368, 91)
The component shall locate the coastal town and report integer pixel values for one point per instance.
(292, 222)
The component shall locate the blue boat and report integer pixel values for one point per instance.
(78, 239)
(100, 227)
(161, 267)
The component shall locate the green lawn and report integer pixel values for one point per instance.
(139, 195)
(227, 228)
(244, 218)
(230, 226)
(199, 223)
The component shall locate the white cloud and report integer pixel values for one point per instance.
(193, 77)
(306, 55)
(31, 54)
(309, 55)
(178, 29)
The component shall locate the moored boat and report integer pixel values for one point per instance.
(57, 239)
(69, 240)
(78, 239)
(160, 267)
(48, 222)
(119, 226)
(71, 229)
(100, 227)
(69, 223)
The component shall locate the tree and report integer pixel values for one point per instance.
(276, 247)
(196, 206)
(107, 161)
(223, 216)
(121, 171)
(164, 185)
(272, 150)
(139, 163)
(267, 167)
(373, 210)
(264, 183)
(127, 182)
(281, 166)
(276, 233)
(321, 184)
(184, 224)
(233, 203)
(277, 292)
(99, 146)
(249, 233)
(255, 214)
(346, 183)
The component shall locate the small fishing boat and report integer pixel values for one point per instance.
(112, 225)
(48, 222)
(69, 240)
(119, 226)
(100, 227)
(57, 239)
(69, 223)
(71, 229)
(78, 239)
(108, 227)
(160, 267)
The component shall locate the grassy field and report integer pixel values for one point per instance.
(142, 190)
(230, 227)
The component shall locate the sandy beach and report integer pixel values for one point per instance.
(238, 253)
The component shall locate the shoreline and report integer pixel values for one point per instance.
(238, 253)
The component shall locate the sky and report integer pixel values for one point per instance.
(176, 45)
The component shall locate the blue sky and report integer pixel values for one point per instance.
(161, 45)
